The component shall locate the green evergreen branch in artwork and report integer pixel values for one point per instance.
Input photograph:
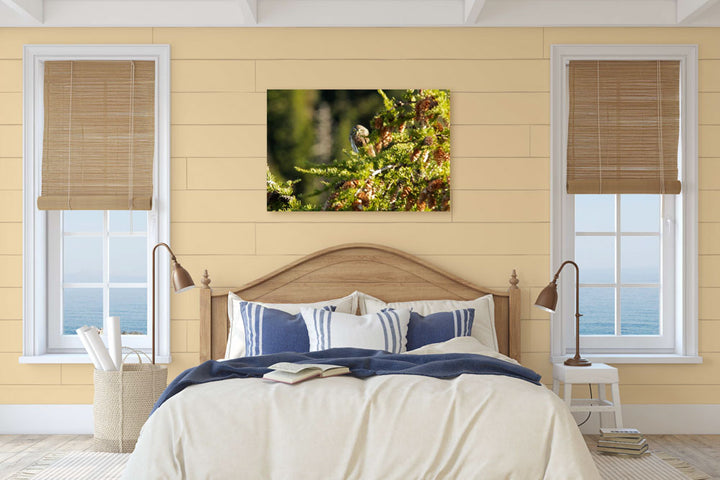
(401, 161)
(280, 195)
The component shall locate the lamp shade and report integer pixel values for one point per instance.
(547, 300)
(181, 279)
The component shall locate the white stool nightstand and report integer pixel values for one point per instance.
(599, 374)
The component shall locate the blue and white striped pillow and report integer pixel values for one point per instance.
(439, 327)
(268, 330)
(236, 335)
(377, 331)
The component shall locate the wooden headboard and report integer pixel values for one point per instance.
(382, 272)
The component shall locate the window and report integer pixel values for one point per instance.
(620, 245)
(637, 252)
(82, 266)
(99, 262)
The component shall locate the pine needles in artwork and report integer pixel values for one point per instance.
(358, 150)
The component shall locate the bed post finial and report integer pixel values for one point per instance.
(514, 280)
(205, 280)
(205, 318)
(514, 317)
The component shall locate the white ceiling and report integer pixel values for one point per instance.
(358, 13)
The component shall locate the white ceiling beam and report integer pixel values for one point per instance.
(688, 10)
(30, 9)
(357, 13)
(472, 10)
(249, 11)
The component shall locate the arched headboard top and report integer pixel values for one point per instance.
(380, 271)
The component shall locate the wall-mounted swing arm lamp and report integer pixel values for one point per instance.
(181, 281)
(547, 300)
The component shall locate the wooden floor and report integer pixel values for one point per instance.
(701, 451)
(19, 451)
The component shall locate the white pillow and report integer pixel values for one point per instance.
(377, 331)
(236, 337)
(483, 326)
(460, 345)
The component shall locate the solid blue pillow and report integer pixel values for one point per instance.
(268, 330)
(439, 327)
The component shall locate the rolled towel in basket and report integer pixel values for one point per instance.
(88, 348)
(92, 337)
(114, 341)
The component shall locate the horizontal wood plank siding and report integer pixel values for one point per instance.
(500, 93)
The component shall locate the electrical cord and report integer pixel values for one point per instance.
(589, 413)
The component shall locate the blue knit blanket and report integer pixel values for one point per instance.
(362, 363)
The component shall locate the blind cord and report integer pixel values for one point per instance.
(131, 173)
(69, 164)
(599, 141)
(661, 153)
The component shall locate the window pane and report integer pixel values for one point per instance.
(82, 259)
(640, 311)
(82, 306)
(86, 221)
(640, 260)
(128, 259)
(596, 258)
(139, 221)
(594, 213)
(597, 305)
(119, 221)
(130, 304)
(640, 213)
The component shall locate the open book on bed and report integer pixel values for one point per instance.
(292, 373)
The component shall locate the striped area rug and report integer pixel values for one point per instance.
(110, 466)
(76, 466)
(651, 466)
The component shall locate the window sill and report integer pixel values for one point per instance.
(647, 358)
(79, 358)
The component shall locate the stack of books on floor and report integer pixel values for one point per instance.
(624, 441)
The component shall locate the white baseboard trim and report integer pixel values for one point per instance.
(650, 419)
(662, 419)
(46, 419)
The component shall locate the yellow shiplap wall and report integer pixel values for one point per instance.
(500, 213)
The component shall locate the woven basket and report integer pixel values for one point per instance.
(123, 402)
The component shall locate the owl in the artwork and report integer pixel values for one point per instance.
(359, 137)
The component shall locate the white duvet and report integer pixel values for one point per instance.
(383, 427)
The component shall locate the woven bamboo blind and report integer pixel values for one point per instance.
(99, 135)
(623, 127)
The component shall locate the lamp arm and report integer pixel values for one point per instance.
(172, 255)
(577, 283)
(577, 360)
(557, 274)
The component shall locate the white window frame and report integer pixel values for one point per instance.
(35, 222)
(682, 229)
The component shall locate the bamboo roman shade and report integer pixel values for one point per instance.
(623, 126)
(99, 135)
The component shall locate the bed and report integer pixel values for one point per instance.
(385, 426)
